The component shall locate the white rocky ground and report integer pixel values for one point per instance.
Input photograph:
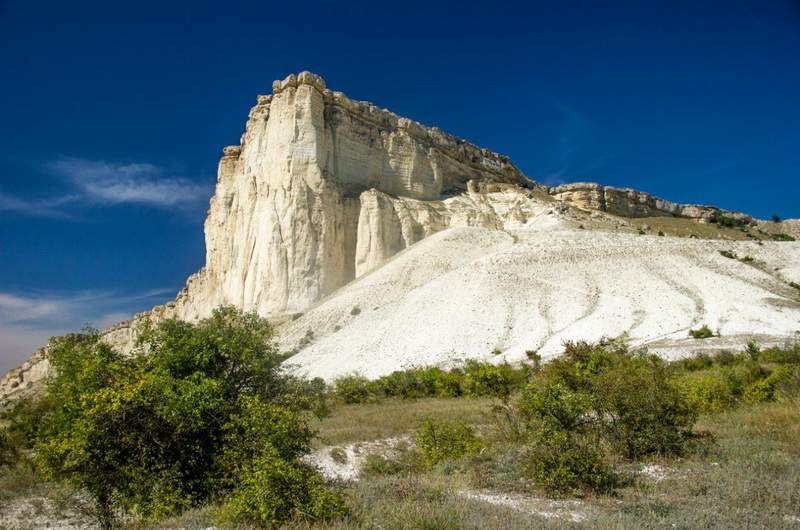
(466, 292)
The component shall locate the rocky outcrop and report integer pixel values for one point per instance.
(323, 189)
(282, 228)
(626, 202)
(22, 380)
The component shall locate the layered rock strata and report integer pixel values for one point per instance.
(626, 202)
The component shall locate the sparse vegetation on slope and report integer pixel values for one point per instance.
(600, 419)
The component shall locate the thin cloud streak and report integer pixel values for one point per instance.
(50, 207)
(101, 183)
(139, 183)
(27, 321)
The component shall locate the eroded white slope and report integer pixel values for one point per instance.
(466, 292)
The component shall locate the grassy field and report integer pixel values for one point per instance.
(744, 473)
(393, 417)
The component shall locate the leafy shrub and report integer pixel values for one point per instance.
(8, 453)
(375, 465)
(789, 354)
(783, 237)
(402, 459)
(409, 384)
(706, 391)
(752, 350)
(728, 254)
(699, 361)
(439, 441)
(727, 358)
(158, 433)
(449, 384)
(730, 222)
(563, 452)
(703, 332)
(598, 397)
(272, 489)
(560, 465)
(645, 414)
(766, 389)
(353, 388)
(758, 392)
(483, 379)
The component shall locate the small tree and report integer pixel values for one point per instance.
(176, 425)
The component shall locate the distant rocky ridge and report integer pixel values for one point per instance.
(323, 189)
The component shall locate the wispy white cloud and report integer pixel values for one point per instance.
(27, 321)
(48, 207)
(102, 183)
(117, 183)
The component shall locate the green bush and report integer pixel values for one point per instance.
(645, 414)
(439, 441)
(561, 465)
(272, 489)
(403, 460)
(783, 237)
(449, 384)
(728, 254)
(706, 391)
(409, 384)
(789, 354)
(759, 392)
(563, 440)
(766, 389)
(8, 453)
(703, 332)
(375, 465)
(594, 402)
(483, 379)
(730, 222)
(155, 434)
(699, 361)
(353, 388)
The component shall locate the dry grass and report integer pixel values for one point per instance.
(372, 421)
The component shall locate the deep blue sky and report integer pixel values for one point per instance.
(112, 117)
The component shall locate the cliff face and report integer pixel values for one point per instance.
(283, 226)
(323, 189)
(304, 204)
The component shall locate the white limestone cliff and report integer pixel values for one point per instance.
(322, 190)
